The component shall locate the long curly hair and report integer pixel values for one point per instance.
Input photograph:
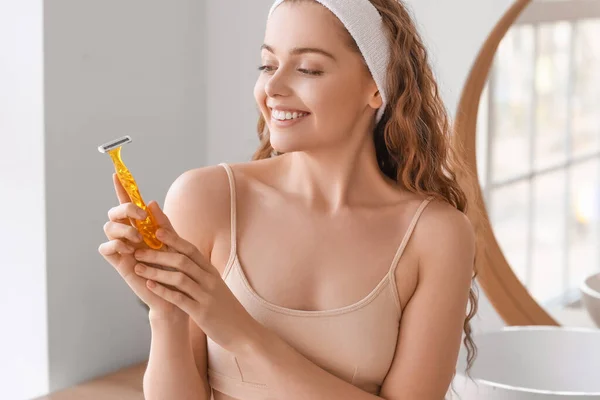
(413, 140)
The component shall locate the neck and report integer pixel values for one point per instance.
(333, 179)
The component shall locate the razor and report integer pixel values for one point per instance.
(147, 227)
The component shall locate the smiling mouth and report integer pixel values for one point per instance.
(284, 123)
(285, 116)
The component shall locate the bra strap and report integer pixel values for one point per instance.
(409, 232)
(232, 195)
(400, 250)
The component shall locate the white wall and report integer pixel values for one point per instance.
(178, 78)
(110, 68)
(23, 330)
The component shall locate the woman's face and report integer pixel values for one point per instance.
(309, 68)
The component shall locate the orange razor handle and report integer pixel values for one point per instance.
(147, 227)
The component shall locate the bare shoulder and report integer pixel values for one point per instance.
(444, 218)
(198, 202)
(198, 205)
(444, 231)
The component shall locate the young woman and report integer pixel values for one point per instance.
(338, 263)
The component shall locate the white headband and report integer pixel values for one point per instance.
(363, 22)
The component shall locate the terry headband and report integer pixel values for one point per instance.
(363, 22)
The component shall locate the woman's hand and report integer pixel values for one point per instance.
(124, 239)
(200, 290)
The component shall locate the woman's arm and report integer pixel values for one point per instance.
(432, 321)
(171, 371)
(197, 204)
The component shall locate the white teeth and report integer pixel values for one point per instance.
(285, 115)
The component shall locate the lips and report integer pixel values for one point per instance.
(287, 114)
(286, 109)
(282, 123)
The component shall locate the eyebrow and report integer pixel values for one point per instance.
(302, 50)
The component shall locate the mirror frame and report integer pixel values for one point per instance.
(503, 288)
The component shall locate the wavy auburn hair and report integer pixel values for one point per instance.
(413, 140)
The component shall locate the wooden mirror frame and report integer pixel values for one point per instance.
(503, 288)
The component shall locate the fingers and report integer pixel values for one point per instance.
(170, 294)
(176, 280)
(177, 244)
(120, 190)
(174, 262)
(178, 262)
(126, 210)
(161, 219)
(113, 247)
(114, 251)
(116, 230)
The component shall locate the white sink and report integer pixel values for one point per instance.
(532, 362)
(590, 295)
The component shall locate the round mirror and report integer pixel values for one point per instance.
(529, 121)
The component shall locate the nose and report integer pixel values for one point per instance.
(277, 84)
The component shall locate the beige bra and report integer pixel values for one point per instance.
(356, 342)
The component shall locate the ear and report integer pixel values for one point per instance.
(376, 101)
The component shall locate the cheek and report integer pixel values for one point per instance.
(259, 94)
(334, 99)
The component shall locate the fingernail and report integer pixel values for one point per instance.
(140, 268)
(142, 214)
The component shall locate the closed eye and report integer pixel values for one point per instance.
(310, 71)
(268, 68)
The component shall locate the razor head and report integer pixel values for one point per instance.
(106, 147)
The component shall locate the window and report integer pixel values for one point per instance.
(538, 150)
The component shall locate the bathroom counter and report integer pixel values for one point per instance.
(125, 384)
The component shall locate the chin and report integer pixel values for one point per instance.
(285, 148)
(286, 142)
(282, 144)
